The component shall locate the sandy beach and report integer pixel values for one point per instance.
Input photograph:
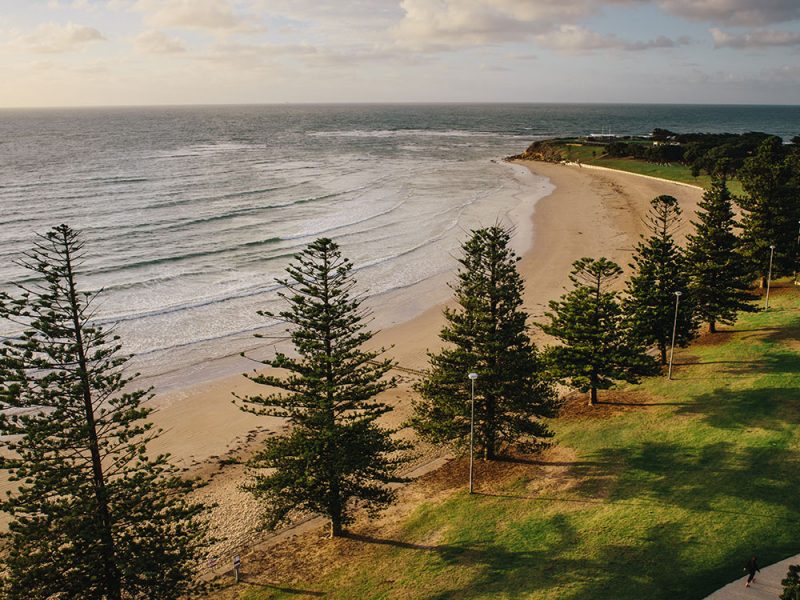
(590, 213)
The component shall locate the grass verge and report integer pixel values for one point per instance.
(594, 155)
(663, 491)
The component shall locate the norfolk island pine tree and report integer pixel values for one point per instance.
(334, 456)
(771, 209)
(487, 334)
(93, 515)
(597, 349)
(718, 272)
(660, 270)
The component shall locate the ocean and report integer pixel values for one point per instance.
(190, 213)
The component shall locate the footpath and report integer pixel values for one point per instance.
(767, 584)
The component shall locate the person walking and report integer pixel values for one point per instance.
(751, 567)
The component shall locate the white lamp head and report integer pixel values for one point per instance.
(473, 376)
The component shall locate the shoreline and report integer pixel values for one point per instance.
(415, 290)
(587, 213)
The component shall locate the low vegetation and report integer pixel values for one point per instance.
(661, 491)
(692, 158)
(656, 492)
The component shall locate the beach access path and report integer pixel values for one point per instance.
(766, 586)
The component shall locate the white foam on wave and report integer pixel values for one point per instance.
(389, 133)
(189, 263)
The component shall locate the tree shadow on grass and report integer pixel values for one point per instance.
(777, 361)
(716, 478)
(526, 460)
(488, 567)
(772, 408)
(665, 504)
(282, 589)
(621, 403)
(653, 564)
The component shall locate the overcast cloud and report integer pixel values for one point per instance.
(398, 50)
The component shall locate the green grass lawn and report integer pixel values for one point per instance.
(593, 155)
(664, 500)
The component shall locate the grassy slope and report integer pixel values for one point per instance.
(660, 501)
(673, 172)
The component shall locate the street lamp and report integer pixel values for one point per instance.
(796, 252)
(674, 329)
(769, 275)
(472, 378)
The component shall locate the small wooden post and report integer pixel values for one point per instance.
(237, 564)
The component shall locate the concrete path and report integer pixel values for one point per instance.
(767, 584)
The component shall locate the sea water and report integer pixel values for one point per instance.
(189, 214)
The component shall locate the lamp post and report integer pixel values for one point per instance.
(472, 378)
(796, 252)
(674, 330)
(769, 275)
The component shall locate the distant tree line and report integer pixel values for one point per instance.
(95, 515)
(710, 153)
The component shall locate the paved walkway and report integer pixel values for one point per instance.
(767, 585)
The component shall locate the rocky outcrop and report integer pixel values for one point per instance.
(543, 150)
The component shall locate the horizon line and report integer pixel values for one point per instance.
(394, 103)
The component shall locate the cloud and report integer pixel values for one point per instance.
(253, 57)
(447, 24)
(467, 22)
(157, 42)
(88, 5)
(760, 38)
(53, 38)
(735, 12)
(659, 42)
(574, 38)
(784, 74)
(211, 15)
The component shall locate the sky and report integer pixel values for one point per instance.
(144, 52)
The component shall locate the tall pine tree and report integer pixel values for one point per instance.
(791, 584)
(660, 270)
(488, 335)
(335, 456)
(597, 348)
(771, 209)
(93, 515)
(719, 276)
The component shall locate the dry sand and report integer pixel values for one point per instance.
(590, 213)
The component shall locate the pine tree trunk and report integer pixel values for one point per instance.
(663, 348)
(336, 526)
(763, 283)
(491, 441)
(111, 575)
(335, 509)
(593, 388)
(490, 451)
(335, 505)
(712, 326)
